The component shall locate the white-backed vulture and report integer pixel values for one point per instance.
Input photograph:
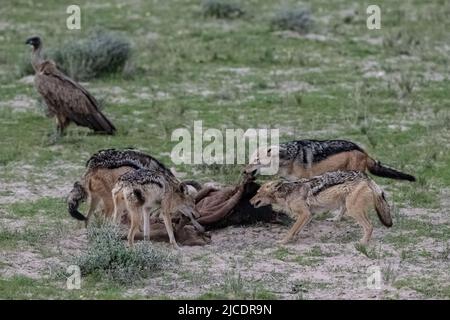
(67, 100)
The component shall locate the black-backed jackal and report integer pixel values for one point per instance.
(103, 170)
(351, 191)
(95, 186)
(309, 158)
(140, 191)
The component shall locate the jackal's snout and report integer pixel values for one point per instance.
(257, 202)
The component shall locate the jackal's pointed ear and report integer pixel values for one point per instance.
(277, 184)
(182, 187)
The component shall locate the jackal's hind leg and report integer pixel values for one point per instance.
(93, 204)
(61, 124)
(119, 206)
(108, 204)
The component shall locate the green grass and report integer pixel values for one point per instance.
(312, 258)
(429, 287)
(21, 287)
(50, 207)
(16, 239)
(282, 253)
(371, 253)
(235, 287)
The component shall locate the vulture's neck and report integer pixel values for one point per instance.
(36, 58)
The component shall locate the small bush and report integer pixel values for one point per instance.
(221, 9)
(24, 67)
(298, 20)
(102, 52)
(109, 256)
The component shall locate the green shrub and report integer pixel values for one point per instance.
(102, 52)
(109, 256)
(297, 19)
(24, 67)
(221, 9)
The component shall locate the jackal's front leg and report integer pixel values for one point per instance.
(304, 216)
(168, 223)
(146, 216)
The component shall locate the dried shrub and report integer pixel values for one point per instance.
(221, 9)
(296, 19)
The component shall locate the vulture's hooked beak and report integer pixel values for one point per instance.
(34, 41)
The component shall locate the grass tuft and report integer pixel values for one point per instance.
(109, 256)
(221, 9)
(370, 253)
(297, 19)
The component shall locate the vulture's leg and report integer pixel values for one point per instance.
(59, 131)
(61, 124)
(57, 135)
(53, 137)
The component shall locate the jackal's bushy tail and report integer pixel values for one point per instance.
(381, 205)
(77, 194)
(376, 168)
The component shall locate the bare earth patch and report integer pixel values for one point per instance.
(40, 261)
(290, 87)
(26, 263)
(20, 103)
(31, 184)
